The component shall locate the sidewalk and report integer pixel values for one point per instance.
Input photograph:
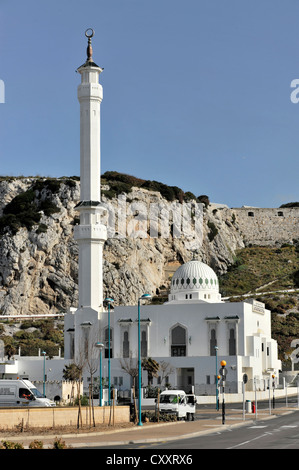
(209, 421)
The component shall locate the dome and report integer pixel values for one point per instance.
(195, 280)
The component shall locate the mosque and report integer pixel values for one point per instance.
(189, 333)
(187, 336)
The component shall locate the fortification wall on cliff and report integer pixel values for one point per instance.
(266, 226)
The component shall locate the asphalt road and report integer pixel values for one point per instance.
(278, 433)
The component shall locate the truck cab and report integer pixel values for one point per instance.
(177, 403)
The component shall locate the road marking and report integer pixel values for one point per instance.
(247, 442)
(257, 427)
(289, 426)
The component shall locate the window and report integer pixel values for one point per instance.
(250, 214)
(213, 342)
(143, 344)
(208, 380)
(232, 342)
(126, 344)
(107, 343)
(178, 341)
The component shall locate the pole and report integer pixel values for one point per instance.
(101, 385)
(217, 399)
(255, 399)
(109, 357)
(223, 405)
(139, 369)
(44, 381)
(243, 391)
(269, 396)
(223, 373)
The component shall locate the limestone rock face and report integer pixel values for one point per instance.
(39, 264)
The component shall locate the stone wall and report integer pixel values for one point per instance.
(266, 226)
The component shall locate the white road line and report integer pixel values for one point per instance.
(257, 427)
(247, 442)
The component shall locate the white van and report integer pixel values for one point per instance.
(21, 393)
(178, 403)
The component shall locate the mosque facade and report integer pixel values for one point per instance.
(188, 336)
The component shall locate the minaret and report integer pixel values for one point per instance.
(91, 233)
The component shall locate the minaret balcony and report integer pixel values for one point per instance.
(90, 91)
(96, 232)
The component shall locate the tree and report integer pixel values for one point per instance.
(92, 362)
(152, 367)
(74, 372)
(130, 366)
(166, 370)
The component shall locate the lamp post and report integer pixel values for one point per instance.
(273, 385)
(44, 380)
(100, 346)
(109, 301)
(216, 380)
(143, 297)
(223, 373)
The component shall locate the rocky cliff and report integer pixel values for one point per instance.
(39, 257)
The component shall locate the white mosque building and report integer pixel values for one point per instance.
(188, 335)
(183, 334)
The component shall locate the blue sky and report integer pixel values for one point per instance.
(196, 92)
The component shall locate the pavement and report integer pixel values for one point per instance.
(207, 421)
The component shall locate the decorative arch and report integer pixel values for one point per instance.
(178, 340)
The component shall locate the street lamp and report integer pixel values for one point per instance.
(217, 400)
(100, 346)
(273, 386)
(44, 381)
(109, 301)
(223, 373)
(143, 297)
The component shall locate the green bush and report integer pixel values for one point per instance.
(12, 445)
(59, 444)
(36, 444)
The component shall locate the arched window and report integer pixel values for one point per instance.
(178, 341)
(232, 342)
(107, 343)
(213, 342)
(143, 345)
(126, 344)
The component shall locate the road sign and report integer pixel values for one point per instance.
(223, 372)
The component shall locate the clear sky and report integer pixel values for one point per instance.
(196, 92)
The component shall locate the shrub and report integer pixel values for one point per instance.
(59, 444)
(36, 444)
(213, 231)
(12, 445)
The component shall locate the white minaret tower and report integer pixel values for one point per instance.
(91, 233)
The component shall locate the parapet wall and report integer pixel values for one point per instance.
(15, 418)
(266, 226)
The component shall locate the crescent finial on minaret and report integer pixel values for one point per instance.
(89, 33)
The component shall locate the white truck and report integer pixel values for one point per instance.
(177, 402)
(21, 393)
